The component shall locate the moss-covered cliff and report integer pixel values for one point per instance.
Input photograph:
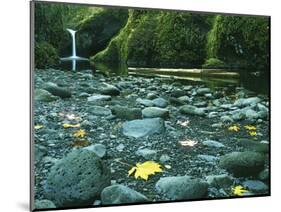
(159, 38)
(240, 41)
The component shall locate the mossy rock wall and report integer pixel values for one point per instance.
(240, 41)
(159, 38)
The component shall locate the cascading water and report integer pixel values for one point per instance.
(74, 58)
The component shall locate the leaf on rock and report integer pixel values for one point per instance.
(250, 127)
(234, 128)
(37, 127)
(71, 125)
(253, 133)
(79, 133)
(143, 170)
(239, 190)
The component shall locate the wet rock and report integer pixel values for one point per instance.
(44, 96)
(77, 179)
(96, 98)
(120, 194)
(145, 102)
(148, 154)
(98, 149)
(251, 145)
(211, 143)
(143, 127)
(251, 114)
(185, 99)
(110, 90)
(154, 112)
(191, 110)
(176, 101)
(202, 91)
(56, 90)
(160, 102)
(243, 102)
(219, 181)
(255, 186)
(120, 147)
(100, 111)
(151, 96)
(126, 113)
(44, 204)
(181, 188)
(177, 93)
(243, 163)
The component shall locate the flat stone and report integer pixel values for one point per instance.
(255, 186)
(99, 98)
(120, 194)
(98, 149)
(145, 102)
(154, 112)
(147, 154)
(211, 143)
(181, 188)
(126, 113)
(160, 102)
(143, 127)
(192, 110)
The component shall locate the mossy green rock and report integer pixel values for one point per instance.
(44, 96)
(243, 163)
(44, 204)
(77, 179)
(56, 90)
(46, 55)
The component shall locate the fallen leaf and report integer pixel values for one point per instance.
(80, 143)
(37, 127)
(79, 133)
(188, 142)
(143, 170)
(239, 190)
(234, 128)
(253, 133)
(250, 127)
(71, 125)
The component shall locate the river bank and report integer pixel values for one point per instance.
(190, 130)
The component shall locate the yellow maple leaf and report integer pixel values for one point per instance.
(37, 127)
(239, 190)
(253, 133)
(234, 128)
(71, 125)
(79, 133)
(250, 127)
(143, 170)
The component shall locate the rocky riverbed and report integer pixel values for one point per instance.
(90, 130)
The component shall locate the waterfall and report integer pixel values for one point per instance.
(74, 58)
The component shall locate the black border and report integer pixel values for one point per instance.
(31, 143)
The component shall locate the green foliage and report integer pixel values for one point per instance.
(214, 63)
(45, 55)
(240, 41)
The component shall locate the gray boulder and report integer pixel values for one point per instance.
(44, 204)
(143, 127)
(251, 114)
(145, 102)
(77, 179)
(182, 188)
(160, 102)
(154, 112)
(126, 113)
(98, 149)
(100, 111)
(56, 90)
(202, 91)
(256, 186)
(243, 102)
(110, 90)
(243, 163)
(219, 181)
(97, 98)
(44, 96)
(119, 194)
(192, 110)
